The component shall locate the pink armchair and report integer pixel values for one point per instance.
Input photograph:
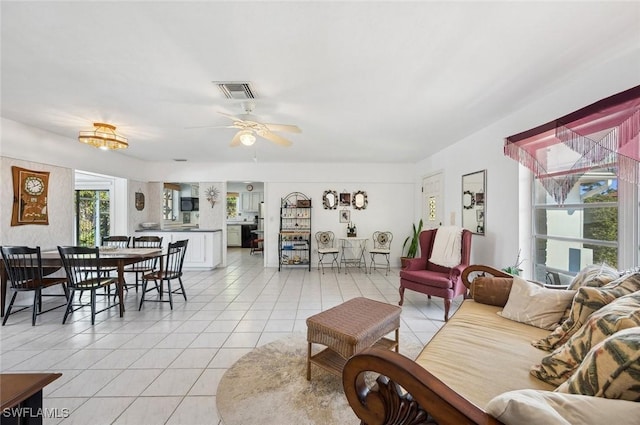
(421, 275)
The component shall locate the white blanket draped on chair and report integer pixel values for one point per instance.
(447, 247)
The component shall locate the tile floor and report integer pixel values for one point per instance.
(159, 366)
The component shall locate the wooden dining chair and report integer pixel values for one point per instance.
(76, 261)
(146, 266)
(171, 269)
(24, 270)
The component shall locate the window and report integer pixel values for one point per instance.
(582, 231)
(92, 216)
(232, 204)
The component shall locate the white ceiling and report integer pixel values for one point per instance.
(365, 81)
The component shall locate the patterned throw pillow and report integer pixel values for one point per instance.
(594, 275)
(586, 301)
(534, 305)
(557, 367)
(610, 370)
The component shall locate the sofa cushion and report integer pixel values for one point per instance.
(622, 313)
(427, 277)
(586, 301)
(594, 275)
(491, 290)
(533, 407)
(476, 348)
(535, 305)
(611, 369)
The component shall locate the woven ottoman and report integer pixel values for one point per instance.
(349, 328)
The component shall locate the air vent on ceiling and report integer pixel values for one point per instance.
(237, 90)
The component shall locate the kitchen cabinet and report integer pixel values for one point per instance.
(204, 250)
(250, 201)
(234, 235)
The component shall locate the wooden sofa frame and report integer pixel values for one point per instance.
(405, 393)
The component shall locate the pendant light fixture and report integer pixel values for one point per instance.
(104, 137)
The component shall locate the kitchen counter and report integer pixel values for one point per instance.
(204, 250)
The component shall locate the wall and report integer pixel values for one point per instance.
(389, 208)
(508, 199)
(59, 204)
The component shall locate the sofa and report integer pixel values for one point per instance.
(485, 365)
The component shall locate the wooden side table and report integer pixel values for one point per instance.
(21, 394)
(349, 328)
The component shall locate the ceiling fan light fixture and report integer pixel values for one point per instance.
(247, 137)
(104, 137)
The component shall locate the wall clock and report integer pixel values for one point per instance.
(30, 197)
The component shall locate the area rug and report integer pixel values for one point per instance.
(269, 386)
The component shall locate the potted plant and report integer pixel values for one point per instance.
(413, 242)
(515, 269)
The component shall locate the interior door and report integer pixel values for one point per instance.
(433, 201)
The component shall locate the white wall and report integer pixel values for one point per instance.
(59, 205)
(508, 225)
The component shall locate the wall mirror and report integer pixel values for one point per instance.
(474, 190)
(330, 199)
(360, 200)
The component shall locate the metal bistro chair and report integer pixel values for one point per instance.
(171, 269)
(381, 246)
(146, 266)
(77, 260)
(24, 269)
(326, 246)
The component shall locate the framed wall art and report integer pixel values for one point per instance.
(345, 216)
(345, 199)
(30, 197)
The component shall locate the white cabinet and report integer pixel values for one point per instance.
(234, 235)
(250, 201)
(204, 250)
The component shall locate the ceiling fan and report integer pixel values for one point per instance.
(249, 127)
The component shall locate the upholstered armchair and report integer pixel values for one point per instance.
(421, 275)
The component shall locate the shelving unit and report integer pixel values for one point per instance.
(294, 244)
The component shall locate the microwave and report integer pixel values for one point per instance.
(189, 204)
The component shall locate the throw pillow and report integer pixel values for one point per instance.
(594, 275)
(535, 305)
(611, 369)
(491, 290)
(586, 301)
(557, 367)
(534, 407)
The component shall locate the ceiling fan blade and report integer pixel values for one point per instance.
(233, 117)
(284, 127)
(236, 140)
(210, 126)
(278, 140)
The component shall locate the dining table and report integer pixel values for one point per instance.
(109, 257)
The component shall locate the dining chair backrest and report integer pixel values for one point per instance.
(116, 241)
(382, 240)
(23, 265)
(325, 239)
(175, 259)
(147, 241)
(78, 261)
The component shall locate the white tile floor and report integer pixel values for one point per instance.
(159, 366)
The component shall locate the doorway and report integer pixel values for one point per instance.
(433, 200)
(93, 217)
(245, 219)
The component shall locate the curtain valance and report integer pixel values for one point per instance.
(605, 134)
